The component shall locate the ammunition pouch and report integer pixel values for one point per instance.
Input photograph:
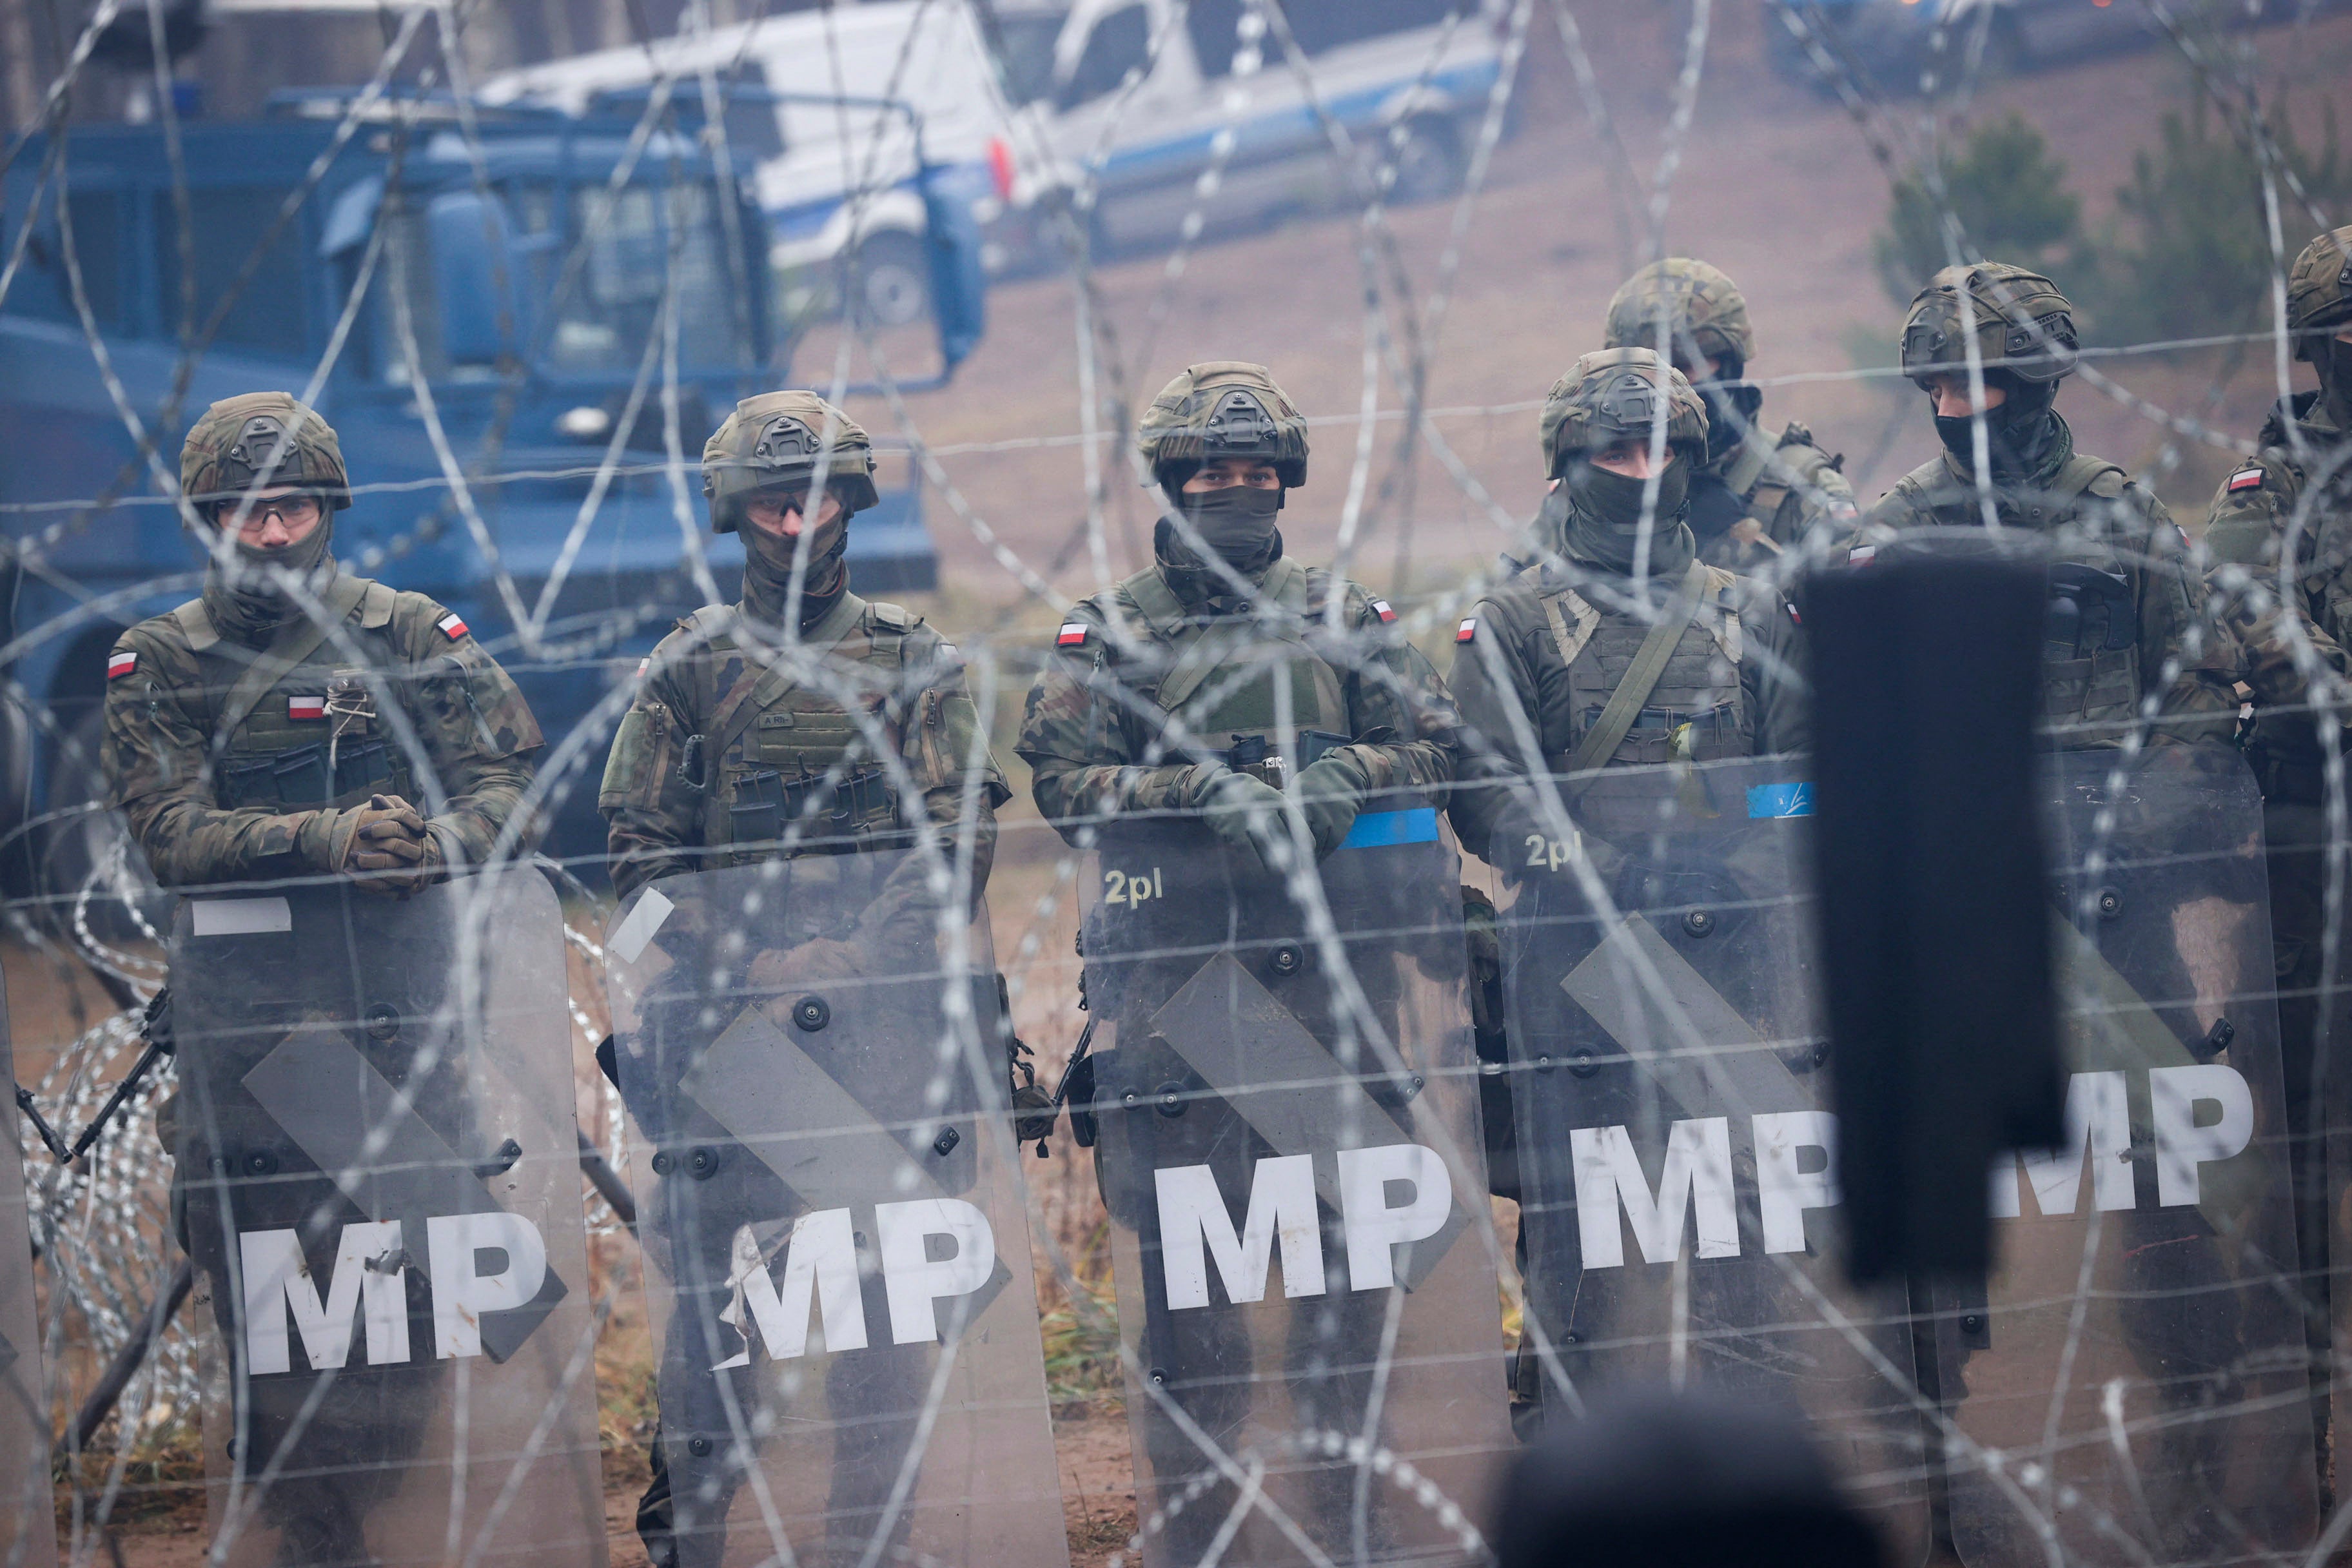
(1263, 760)
(766, 803)
(302, 778)
(2090, 610)
(1716, 731)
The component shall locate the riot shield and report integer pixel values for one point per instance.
(2138, 1357)
(833, 1221)
(378, 1179)
(1285, 1078)
(27, 1511)
(1669, 1073)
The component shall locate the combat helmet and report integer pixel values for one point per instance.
(779, 439)
(2319, 290)
(1706, 314)
(259, 440)
(1224, 408)
(2024, 326)
(1615, 394)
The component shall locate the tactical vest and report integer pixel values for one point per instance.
(312, 737)
(1769, 490)
(1698, 712)
(1218, 674)
(774, 752)
(2090, 655)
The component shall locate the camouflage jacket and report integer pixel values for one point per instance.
(1141, 688)
(728, 757)
(2094, 515)
(1788, 492)
(1537, 652)
(237, 764)
(2251, 514)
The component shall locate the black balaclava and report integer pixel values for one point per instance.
(1603, 518)
(1236, 523)
(2332, 358)
(253, 607)
(1731, 409)
(2024, 438)
(768, 570)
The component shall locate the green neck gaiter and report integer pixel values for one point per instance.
(768, 573)
(1601, 523)
(253, 610)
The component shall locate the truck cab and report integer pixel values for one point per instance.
(523, 326)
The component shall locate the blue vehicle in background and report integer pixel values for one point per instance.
(583, 298)
(1901, 46)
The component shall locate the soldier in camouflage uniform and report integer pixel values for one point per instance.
(248, 736)
(741, 747)
(290, 723)
(1753, 495)
(1537, 653)
(1111, 729)
(2297, 485)
(2128, 643)
(1550, 647)
(1158, 701)
(725, 750)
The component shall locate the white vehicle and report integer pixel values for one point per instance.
(836, 179)
(1139, 100)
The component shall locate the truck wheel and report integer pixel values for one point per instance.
(1428, 162)
(86, 860)
(890, 281)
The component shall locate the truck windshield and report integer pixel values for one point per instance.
(590, 273)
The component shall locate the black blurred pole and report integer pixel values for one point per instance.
(117, 1376)
(1933, 892)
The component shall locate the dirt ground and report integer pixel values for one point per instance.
(1781, 188)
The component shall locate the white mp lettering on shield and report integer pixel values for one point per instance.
(278, 1283)
(1375, 1228)
(913, 1279)
(1610, 1181)
(2098, 1132)
(461, 1294)
(820, 1271)
(1784, 1188)
(2181, 1144)
(1195, 1227)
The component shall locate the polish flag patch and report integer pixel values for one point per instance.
(120, 665)
(299, 707)
(644, 664)
(1380, 608)
(452, 626)
(1466, 630)
(1862, 555)
(2245, 480)
(1073, 634)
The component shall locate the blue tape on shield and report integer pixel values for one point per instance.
(1383, 829)
(1780, 800)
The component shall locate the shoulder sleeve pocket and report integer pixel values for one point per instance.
(644, 751)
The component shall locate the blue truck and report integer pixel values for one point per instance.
(522, 261)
